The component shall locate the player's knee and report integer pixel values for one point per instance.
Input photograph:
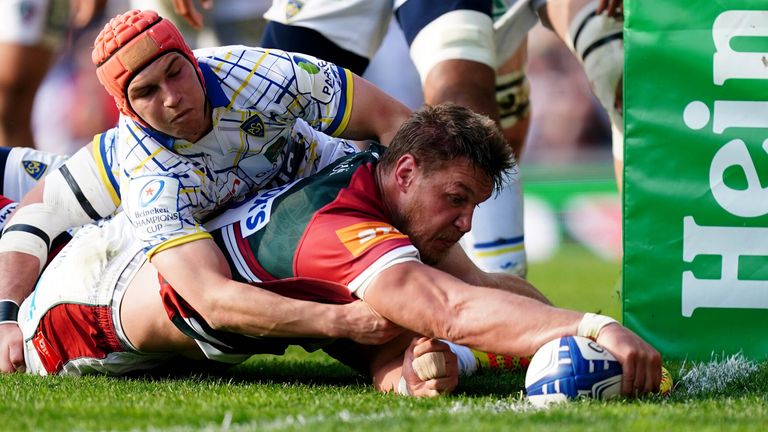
(597, 40)
(513, 98)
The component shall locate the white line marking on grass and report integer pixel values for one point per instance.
(714, 376)
(344, 416)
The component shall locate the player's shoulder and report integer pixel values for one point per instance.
(225, 60)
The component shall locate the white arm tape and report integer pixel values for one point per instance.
(25, 242)
(77, 187)
(32, 229)
(457, 35)
(73, 195)
(591, 324)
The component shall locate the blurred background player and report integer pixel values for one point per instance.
(463, 50)
(31, 32)
(230, 22)
(451, 44)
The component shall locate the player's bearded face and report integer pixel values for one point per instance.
(439, 208)
(169, 97)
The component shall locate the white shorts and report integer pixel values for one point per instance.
(21, 168)
(34, 22)
(359, 26)
(71, 322)
(435, 30)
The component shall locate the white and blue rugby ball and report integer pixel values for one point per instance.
(571, 367)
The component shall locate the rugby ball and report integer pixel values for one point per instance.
(570, 367)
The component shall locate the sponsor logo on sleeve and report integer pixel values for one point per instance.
(306, 65)
(35, 169)
(321, 79)
(154, 210)
(360, 237)
(151, 191)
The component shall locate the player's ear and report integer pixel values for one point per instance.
(405, 169)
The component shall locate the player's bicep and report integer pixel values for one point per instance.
(417, 297)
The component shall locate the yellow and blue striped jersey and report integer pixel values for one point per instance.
(268, 107)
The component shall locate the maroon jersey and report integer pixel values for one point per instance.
(322, 238)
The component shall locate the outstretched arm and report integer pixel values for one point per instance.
(435, 304)
(199, 273)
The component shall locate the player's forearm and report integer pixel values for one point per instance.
(18, 274)
(458, 265)
(257, 312)
(435, 304)
(498, 321)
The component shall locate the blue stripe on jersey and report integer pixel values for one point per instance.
(340, 122)
(414, 15)
(500, 242)
(161, 138)
(139, 141)
(106, 163)
(213, 87)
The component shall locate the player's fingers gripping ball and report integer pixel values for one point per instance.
(430, 365)
(665, 388)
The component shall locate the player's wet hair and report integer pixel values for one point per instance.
(130, 42)
(437, 135)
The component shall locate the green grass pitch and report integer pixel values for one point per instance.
(303, 391)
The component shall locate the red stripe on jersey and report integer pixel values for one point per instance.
(71, 331)
(4, 201)
(323, 253)
(309, 289)
(247, 253)
(172, 302)
(5, 210)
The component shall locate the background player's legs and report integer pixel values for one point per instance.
(497, 240)
(24, 68)
(30, 31)
(462, 71)
(597, 41)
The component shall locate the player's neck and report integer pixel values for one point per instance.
(384, 186)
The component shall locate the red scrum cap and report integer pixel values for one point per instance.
(127, 44)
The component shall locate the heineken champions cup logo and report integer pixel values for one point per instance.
(747, 199)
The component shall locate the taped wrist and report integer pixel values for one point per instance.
(512, 97)
(9, 311)
(591, 324)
